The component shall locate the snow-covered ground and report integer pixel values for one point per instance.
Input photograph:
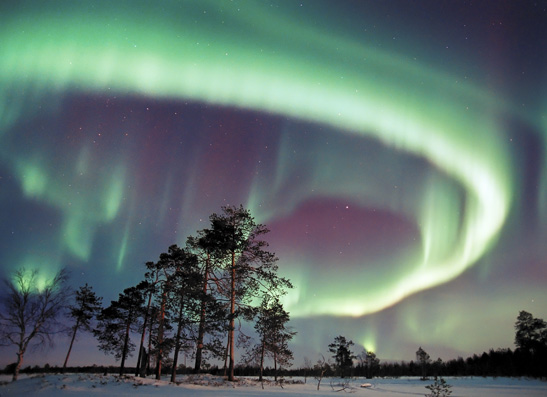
(209, 386)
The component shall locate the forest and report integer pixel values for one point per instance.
(218, 296)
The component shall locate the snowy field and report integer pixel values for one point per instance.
(209, 386)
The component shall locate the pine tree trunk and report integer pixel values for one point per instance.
(75, 329)
(232, 323)
(226, 354)
(275, 365)
(177, 343)
(262, 361)
(201, 331)
(159, 357)
(149, 346)
(125, 343)
(143, 336)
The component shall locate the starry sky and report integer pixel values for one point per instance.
(397, 151)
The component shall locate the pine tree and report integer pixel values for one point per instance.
(423, 358)
(342, 354)
(149, 287)
(530, 332)
(117, 321)
(369, 362)
(531, 341)
(87, 306)
(439, 388)
(156, 287)
(212, 312)
(271, 326)
(167, 266)
(184, 299)
(249, 268)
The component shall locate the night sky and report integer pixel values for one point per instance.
(397, 151)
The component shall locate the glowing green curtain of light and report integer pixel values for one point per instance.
(230, 55)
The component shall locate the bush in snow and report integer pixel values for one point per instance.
(439, 388)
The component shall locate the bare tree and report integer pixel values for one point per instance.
(30, 308)
(320, 368)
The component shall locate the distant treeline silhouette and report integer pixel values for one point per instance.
(500, 362)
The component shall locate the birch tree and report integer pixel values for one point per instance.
(29, 311)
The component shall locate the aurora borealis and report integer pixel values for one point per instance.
(397, 151)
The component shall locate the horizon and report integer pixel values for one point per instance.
(82, 350)
(397, 151)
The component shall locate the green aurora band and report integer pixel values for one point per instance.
(299, 72)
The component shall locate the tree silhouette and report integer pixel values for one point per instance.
(149, 287)
(30, 308)
(271, 326)
(423, 358)
(531, 333)
(249, 268)
(212, 312)
(439, 388)
(342, 354)
(184, 298)
(166, 267)
(87, 306)
(369, 362)
(117, 321)
(531, 341)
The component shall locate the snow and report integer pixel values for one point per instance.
(213, 386)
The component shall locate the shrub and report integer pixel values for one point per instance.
(439, 388)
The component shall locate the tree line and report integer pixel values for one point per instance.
(194, 299)
(528, 359)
